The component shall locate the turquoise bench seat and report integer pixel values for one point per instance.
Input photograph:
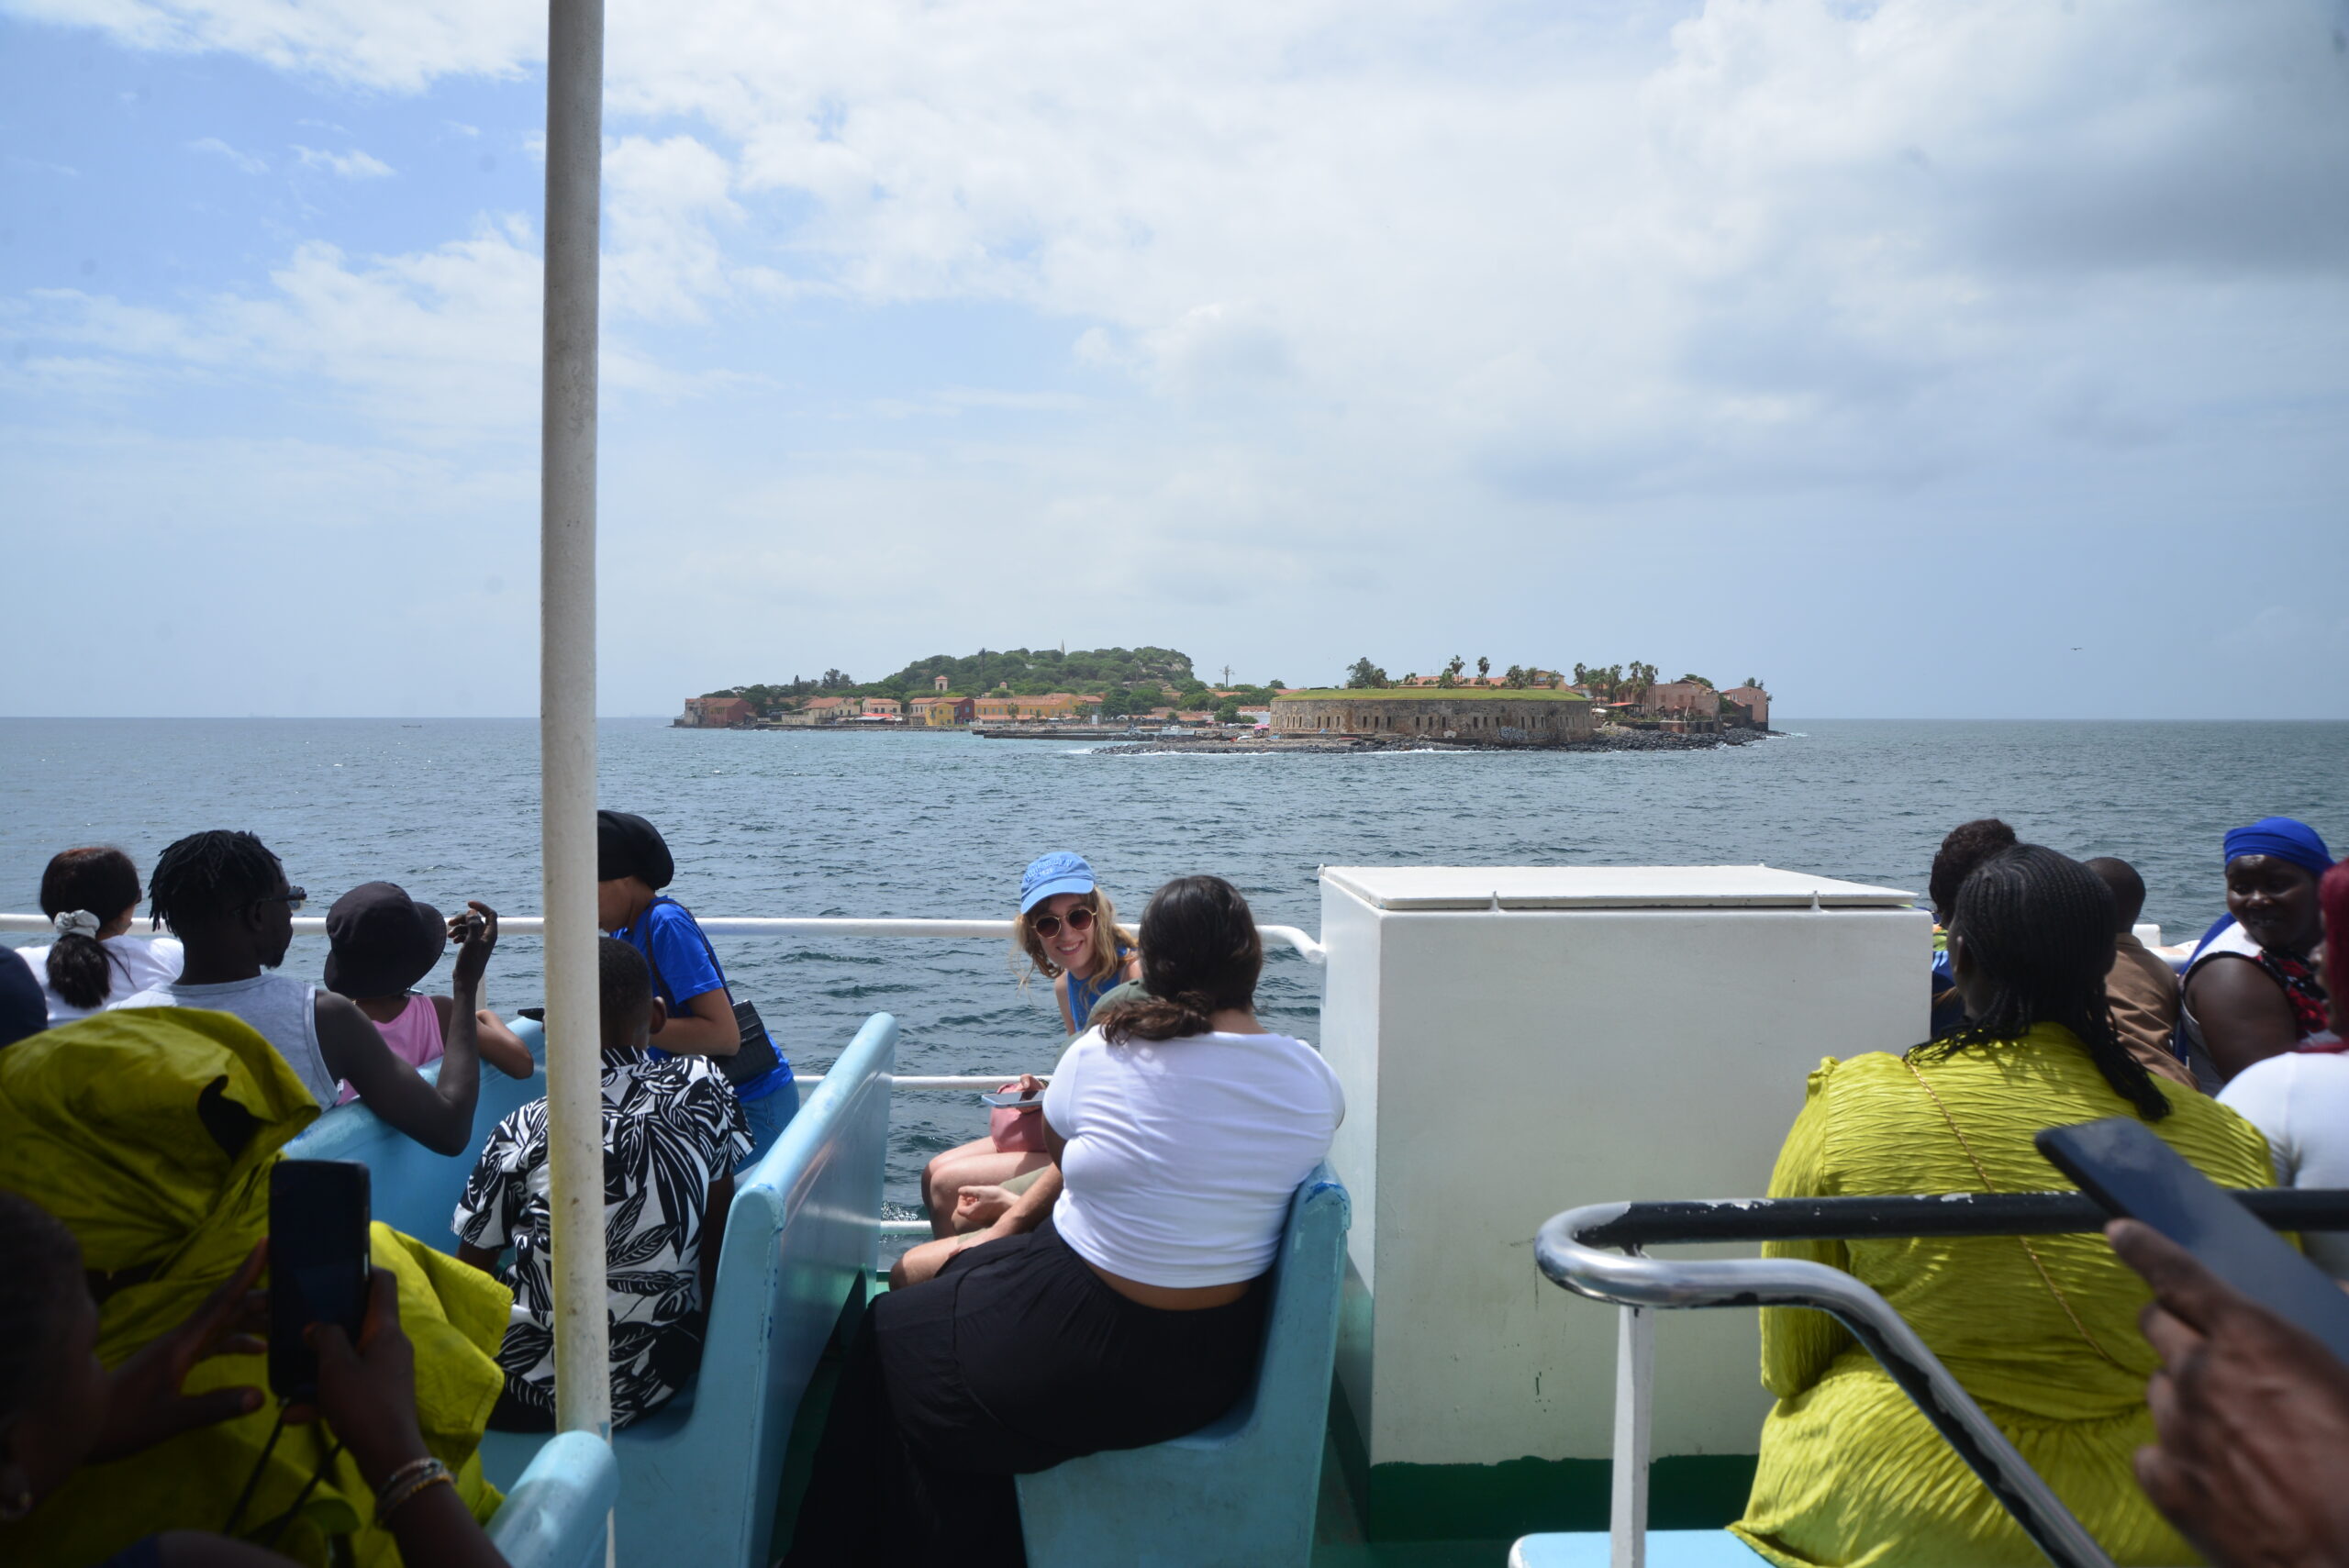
(698, 1477)
(413, 1190)
(1240, 1492)
(1665, 1549)
(553, 1516)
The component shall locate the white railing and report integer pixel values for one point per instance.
(1288, 937)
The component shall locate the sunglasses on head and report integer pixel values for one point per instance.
(293, 898)
(1048, 926)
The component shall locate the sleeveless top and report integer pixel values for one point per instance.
(1085, 993)
(2292, 976)
(284, 1010)
(414, 1037)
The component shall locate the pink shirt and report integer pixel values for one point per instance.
(414, 1037)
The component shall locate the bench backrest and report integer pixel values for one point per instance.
(414, 1190)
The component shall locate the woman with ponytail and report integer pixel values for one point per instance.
(2042, 1329)
(90, 896)
(1179, 1127)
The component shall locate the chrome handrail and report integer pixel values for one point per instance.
(1645, 1283)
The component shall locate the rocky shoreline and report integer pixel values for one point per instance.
(1607, 739)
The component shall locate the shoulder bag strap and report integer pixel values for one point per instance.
(2028, 1250)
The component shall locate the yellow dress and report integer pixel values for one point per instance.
(1849, 1472)
(149, 1132)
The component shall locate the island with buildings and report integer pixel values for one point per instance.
(1022, 693)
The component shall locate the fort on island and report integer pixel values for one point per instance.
(1480, 715)
(1035, 692)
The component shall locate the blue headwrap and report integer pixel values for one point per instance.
(2283, 837)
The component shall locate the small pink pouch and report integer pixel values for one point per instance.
(1017, 1131)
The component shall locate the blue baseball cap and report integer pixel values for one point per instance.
(1050, 875)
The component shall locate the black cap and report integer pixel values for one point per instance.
(382, 940)
(627, 845)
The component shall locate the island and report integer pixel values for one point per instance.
(1039, 693)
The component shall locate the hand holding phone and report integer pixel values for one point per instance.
(1028, 1094)
(319, 1264)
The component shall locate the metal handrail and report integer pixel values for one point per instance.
(1289, 936)
(1567, 1249)
(1944, 1213)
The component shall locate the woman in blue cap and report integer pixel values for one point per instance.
(1069, 931)
(2251, 989)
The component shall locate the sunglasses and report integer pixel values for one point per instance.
(1049, 925)
(293, 898)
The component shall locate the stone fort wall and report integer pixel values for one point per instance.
(1438, 716)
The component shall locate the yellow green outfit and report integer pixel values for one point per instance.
(1849, 1473)
(149, 1133)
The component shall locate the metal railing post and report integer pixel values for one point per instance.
(567, 711)
(1634, 1411)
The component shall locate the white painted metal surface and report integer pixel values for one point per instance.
(567, 712)
(1635, 1412)
(1604, 887)
(1656, 1047)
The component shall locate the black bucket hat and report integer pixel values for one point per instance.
(382, 940)
(627, 845)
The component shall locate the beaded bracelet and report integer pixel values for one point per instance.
(403, 1484)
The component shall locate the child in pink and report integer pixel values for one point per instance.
(381, 943)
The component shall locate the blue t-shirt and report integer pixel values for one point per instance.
(684, 968)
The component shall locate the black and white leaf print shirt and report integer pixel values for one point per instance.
(671, 1128)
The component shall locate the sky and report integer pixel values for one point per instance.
(1925, 360)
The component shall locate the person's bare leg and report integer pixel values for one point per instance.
(937, 1192)
(974, 1164)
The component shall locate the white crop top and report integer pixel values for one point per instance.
(1183, 1153)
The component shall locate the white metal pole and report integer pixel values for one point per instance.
(1634, 1412)
(567, 711)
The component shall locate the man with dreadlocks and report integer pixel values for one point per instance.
(2042, 1331)
(226, 897)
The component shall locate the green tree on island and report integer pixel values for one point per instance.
(1484, 667)
(1365, 675)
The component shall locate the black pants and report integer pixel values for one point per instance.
(1014, 1358)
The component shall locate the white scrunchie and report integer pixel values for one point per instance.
(76, 923)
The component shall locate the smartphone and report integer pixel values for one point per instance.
(1011, 1099)
(317, 1263)
(2128, 1170)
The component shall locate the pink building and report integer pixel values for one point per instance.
(1680, 699)
(1754, 701)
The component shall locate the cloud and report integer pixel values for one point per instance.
(245, 162)
(1824, 289)
(351, 165)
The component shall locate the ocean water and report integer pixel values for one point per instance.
(801, 824)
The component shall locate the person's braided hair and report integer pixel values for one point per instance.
(2039, 926)
(1200, 954)
(97, 879)
(44, 1267)
(206, 875)
(1967, 846)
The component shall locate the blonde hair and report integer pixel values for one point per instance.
(1106, 936)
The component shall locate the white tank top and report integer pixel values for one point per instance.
(284, 1010)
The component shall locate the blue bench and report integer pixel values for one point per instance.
(698, 1477)
(1241, 1490)
(413, 1190)
(1665, 1549)
(554, 1515)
